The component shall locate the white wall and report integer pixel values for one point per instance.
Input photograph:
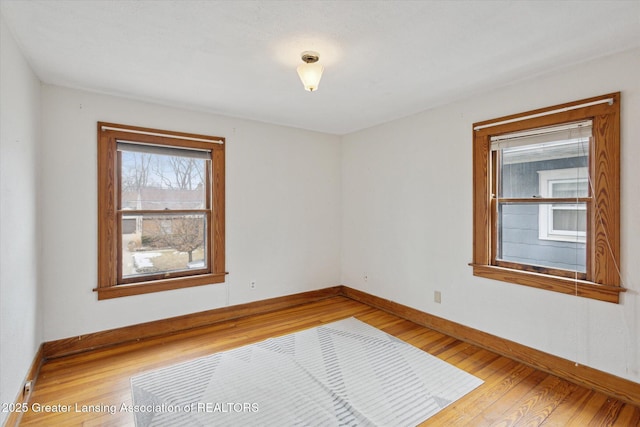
(407, 221)
(20, 325)
(283, 212)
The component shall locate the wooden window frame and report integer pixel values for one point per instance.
(601, 280)
(110, 285)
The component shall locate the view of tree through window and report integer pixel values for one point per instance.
(161, 210)
(175, 238)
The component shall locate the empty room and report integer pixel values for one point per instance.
(274, 213)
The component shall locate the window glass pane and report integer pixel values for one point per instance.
(521, 168)
(156, 182)
(568, 220)
(521, 239)
(157, 244)
(569, 188)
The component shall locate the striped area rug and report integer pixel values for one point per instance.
(345, 373)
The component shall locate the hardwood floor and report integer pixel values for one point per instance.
(512, 394)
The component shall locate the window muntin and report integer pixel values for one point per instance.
(161, 210)
(596, 213)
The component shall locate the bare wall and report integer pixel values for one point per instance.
(20, 321)
(282, 211)
(407, 221)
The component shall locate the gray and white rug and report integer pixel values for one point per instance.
(345, 373)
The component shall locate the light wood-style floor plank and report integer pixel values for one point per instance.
(513, 394)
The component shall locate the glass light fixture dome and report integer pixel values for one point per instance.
(311, 71)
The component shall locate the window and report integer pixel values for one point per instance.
(546, 198)
(160, 210)
(563, 222)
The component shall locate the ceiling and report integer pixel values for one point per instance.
(383, 59)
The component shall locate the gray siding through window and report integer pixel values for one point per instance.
(519, 238)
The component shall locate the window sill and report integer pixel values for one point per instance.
(581, 288)
(158, 286)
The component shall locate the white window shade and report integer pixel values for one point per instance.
(137, 147)
(542, 136)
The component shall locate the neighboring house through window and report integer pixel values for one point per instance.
(546, 198)
(563, 222)
(160, 210)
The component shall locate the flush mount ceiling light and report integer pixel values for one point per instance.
(310, 72)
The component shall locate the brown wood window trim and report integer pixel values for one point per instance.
(111, 284)
(601, 280)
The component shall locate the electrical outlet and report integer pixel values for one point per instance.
(437, 297)
(27, 388)
(252, 284)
